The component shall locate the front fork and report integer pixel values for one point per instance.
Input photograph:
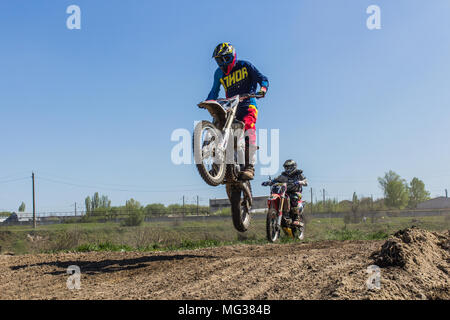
(280, 213)
(226, 131)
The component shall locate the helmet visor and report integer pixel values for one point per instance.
(224, 60)
(289, 168)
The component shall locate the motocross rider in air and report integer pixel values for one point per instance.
(295, 181)
(240, 77)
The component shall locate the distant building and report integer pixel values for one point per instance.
(20, 218)
(12, 218)
(436, 203)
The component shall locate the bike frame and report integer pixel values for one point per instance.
(277, 201)
(225, 116)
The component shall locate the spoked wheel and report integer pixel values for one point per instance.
(272, 229)
(208, 159)
(240, 207)
(299, 232)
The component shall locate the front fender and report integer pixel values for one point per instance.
(274, 202)
(216, 110)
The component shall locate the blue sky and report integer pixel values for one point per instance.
(93, 109)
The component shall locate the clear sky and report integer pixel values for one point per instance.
(93, 109)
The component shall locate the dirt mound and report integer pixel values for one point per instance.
(413, 247)
(418, 260)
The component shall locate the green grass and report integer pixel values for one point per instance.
(356, 234)
(181, 234)
(105, 246)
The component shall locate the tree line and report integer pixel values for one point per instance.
(99, 205)
(398, 194)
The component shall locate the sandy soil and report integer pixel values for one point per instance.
(418, 269)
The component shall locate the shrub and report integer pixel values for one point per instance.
(135, 218)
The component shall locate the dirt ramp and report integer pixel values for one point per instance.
(415, 264)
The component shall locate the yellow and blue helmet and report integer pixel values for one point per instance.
(225, 56)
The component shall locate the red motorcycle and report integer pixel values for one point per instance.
(279, 214)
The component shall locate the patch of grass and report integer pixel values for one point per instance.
(19, 246)
(378, 235)
(105, 246)
(345, 234)
(356, 234)
(189, 244)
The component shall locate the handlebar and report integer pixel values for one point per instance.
(251, 95)
(243, 97)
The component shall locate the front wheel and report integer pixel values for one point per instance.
(207, 156)
(240, 207)
(272, 227)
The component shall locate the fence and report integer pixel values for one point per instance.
(55, 218)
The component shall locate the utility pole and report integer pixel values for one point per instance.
(183, 206)
(323, 190)
(197, 205)
(311, 200)
(75, 209)
(446, 193)
(34, 202)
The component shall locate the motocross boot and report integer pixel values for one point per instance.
(296, 217)
(248, 173)
(249, 169)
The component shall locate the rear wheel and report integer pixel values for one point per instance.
(272, 228)
(240, 207)
(299, 232)
(208, 159)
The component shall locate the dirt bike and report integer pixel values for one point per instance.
(279, 214)
(220, 154)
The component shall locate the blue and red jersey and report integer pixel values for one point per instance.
(242, 79)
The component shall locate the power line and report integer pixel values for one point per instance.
(52, 176)
(13, 180)
(12, 175)
(115, 189)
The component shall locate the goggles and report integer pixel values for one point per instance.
(224, 60)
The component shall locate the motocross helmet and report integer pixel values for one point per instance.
(225, 56)
(290, 166)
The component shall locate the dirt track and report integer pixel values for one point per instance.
(319, 270)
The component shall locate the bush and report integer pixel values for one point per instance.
(135, 218)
